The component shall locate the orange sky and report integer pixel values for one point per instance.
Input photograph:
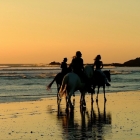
(41, 31)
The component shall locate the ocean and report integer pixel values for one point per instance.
(24, 83)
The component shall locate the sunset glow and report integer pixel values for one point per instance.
(43, 31)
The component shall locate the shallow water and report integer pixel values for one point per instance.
(29, 83)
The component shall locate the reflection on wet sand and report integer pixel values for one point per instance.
(93, 123)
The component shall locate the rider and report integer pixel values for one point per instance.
(77, 66)
(98, 64)
(64, 66)
(59, 76)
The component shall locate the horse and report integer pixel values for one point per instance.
(99, 81)
(58, 79)
(88, 71)
(72, 82)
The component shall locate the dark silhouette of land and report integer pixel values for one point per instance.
(54, 63)
(130, 63)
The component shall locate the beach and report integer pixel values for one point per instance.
(118, 118)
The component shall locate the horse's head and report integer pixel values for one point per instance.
(108, 75)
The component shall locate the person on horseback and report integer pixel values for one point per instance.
(64, 66)
(59, 76)
(98, 64)
(77, 66)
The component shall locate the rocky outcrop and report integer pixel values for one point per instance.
(54, 63)
(133, 62)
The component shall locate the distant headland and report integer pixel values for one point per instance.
(130, 63)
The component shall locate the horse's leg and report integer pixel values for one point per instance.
(58, 97)
(92, 95)
(104, 93)
(82, 99)
(73, 101)
(92, 98)
(69, 104)
(97, 94)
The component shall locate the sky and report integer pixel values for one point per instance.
(42, 31)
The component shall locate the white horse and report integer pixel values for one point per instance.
(71, 83)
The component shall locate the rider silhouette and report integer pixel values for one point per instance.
(98, 64)
(77, 66)
(64, 66)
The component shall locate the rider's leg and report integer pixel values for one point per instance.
(105, 78)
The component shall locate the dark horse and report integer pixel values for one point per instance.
(98, 81)
(58, 79)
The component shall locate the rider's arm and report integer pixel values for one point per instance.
(94, 65)
(101, 65)
(82, 65)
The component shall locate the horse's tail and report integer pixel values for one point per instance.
(63, 88)
(49, 86)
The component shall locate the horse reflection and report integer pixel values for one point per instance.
(98, 122)
(94, 124)
(69, 124)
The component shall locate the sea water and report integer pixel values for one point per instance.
(29, 83)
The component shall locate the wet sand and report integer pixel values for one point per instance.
(117, 119)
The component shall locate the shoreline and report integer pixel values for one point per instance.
(37, 98)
